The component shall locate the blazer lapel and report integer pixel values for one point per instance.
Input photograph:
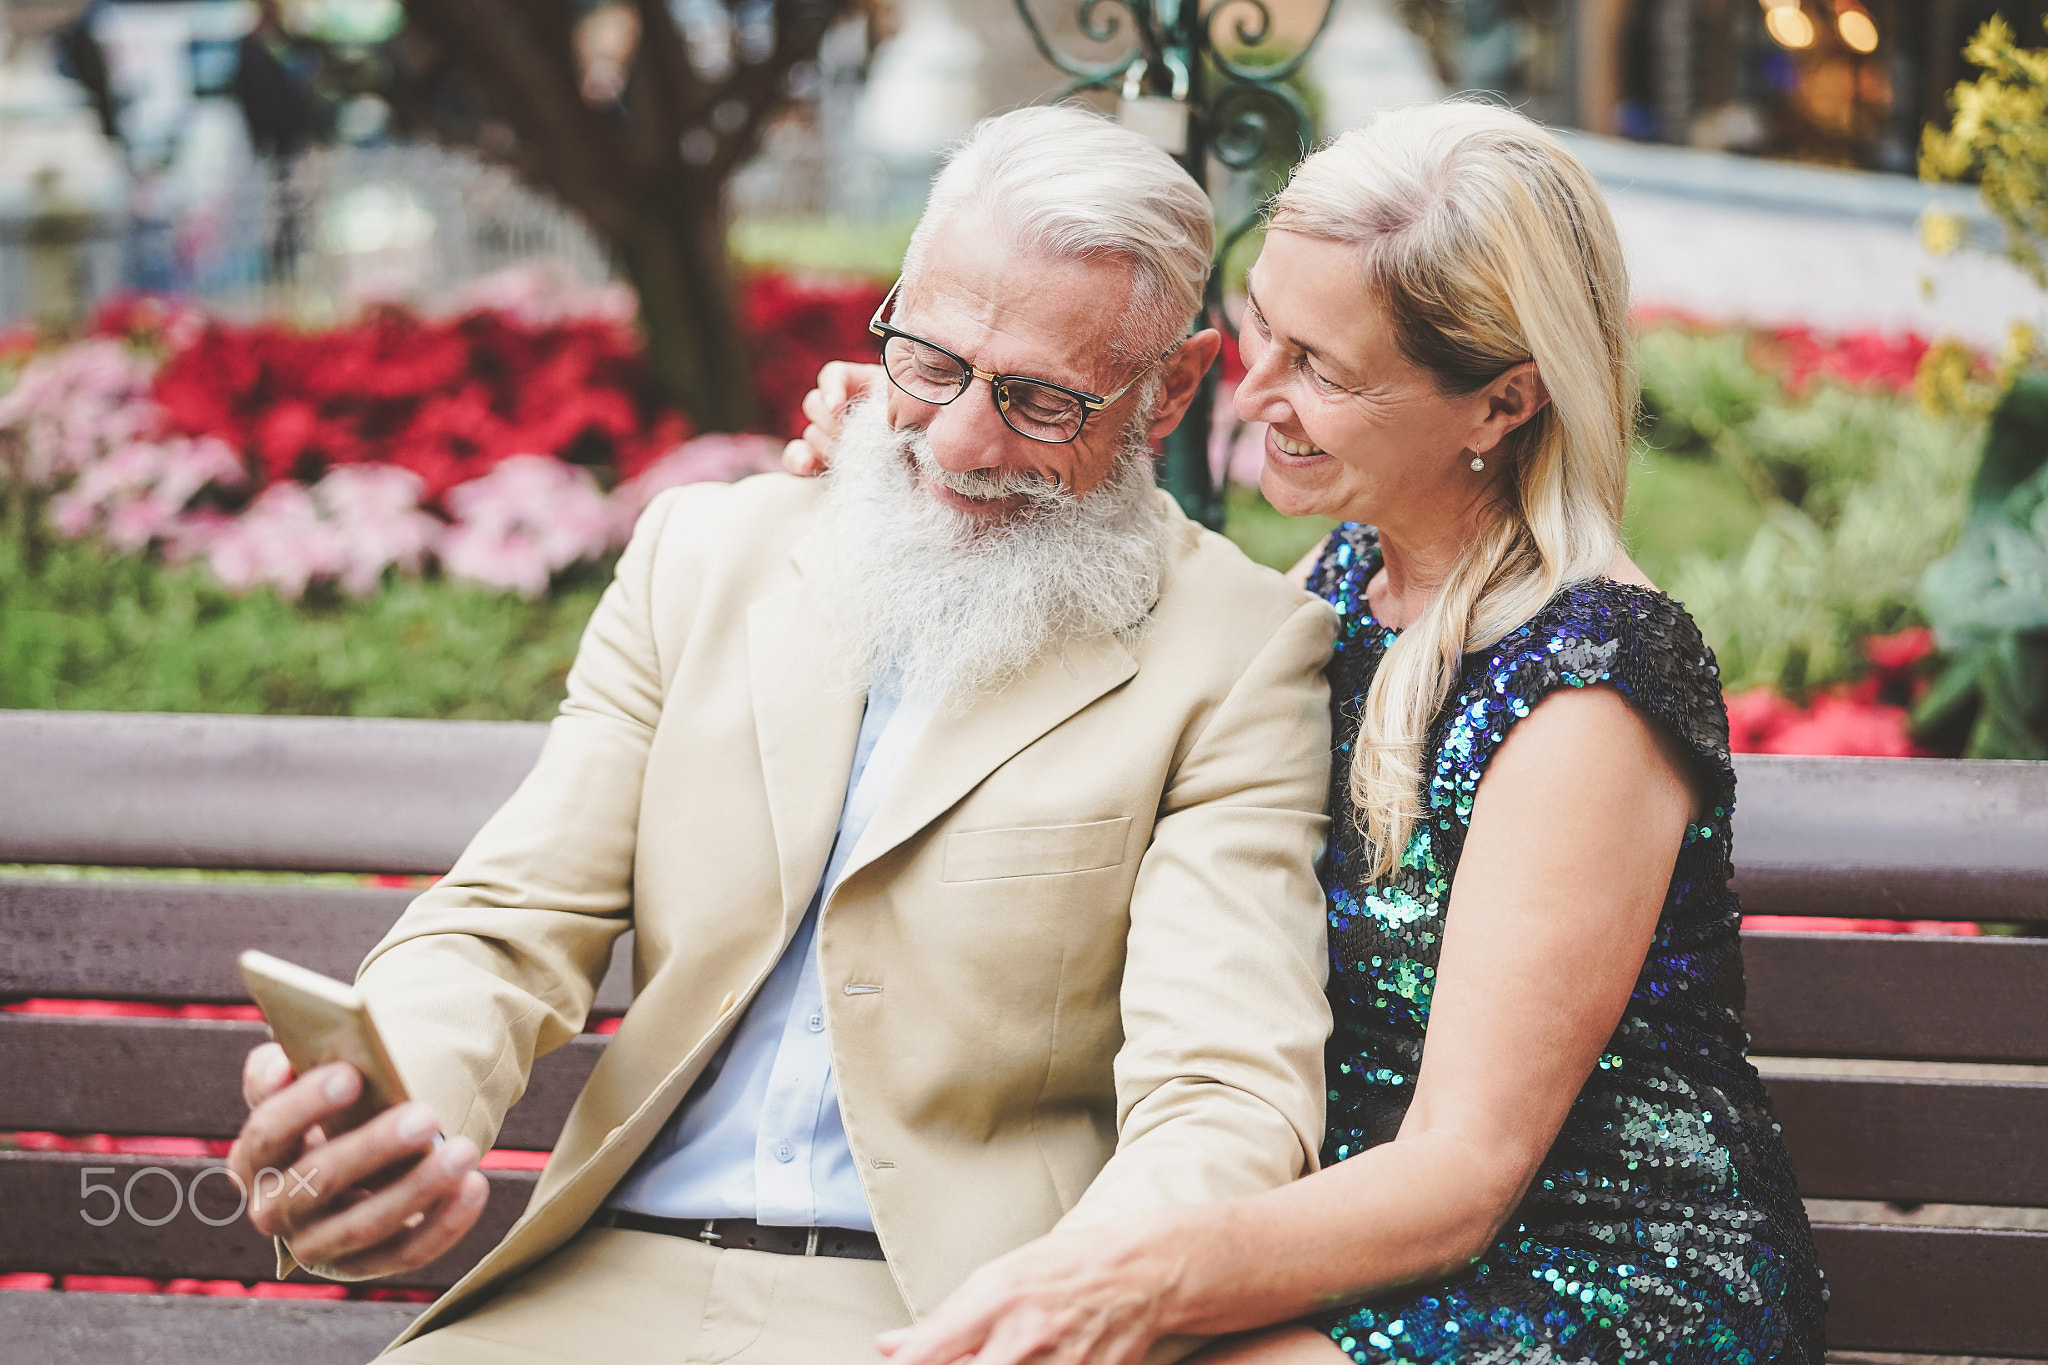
(806, 729)
(957, 751)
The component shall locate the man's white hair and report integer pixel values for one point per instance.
(1065, 182)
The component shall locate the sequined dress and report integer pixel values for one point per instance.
(1664, 1223)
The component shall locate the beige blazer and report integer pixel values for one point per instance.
(1074, 967)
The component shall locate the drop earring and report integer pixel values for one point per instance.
(1477, 464)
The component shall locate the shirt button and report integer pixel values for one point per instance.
(817, 1023)
(784, 1152)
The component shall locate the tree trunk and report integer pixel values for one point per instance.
(674, 254)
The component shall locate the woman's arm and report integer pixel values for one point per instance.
(1574, 833)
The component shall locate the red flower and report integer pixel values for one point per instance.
(1762, 722)
(1864, 359)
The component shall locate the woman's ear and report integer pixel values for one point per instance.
(1516, 394)
(1184, 371)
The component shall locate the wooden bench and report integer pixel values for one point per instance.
(1837, 837)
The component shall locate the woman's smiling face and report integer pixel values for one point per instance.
(1357, 431)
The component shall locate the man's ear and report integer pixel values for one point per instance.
(1511, 400)
(1184, 371)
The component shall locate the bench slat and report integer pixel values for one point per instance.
(1955, 1142)
(1958, 1291)
(294, 793)
(1862, 838)
(1915, 1142)
(1903, 997)
(41, 1192)
(182, 1077)
(1937, 1291)
(1891, 838)
(170, 942)
(187, 1329)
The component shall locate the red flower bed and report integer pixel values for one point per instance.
(447, 400)
(452, 398)
(798, 324)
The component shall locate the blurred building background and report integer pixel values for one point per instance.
(1759, 152)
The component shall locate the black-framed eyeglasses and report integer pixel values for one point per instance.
(1034, 408)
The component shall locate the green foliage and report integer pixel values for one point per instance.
(833, 246)
(1855, 492)
(1988, 599)
(82, 628)
(1267, 535)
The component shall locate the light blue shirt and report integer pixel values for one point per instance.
(760, 1135)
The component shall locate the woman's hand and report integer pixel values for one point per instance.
(1101, 1297)
(839, 384)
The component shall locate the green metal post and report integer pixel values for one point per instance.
(1237, 113)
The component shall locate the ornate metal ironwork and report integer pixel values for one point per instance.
(1240, 111)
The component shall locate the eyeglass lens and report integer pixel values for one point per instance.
(930, 375)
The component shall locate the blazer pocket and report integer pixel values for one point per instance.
(1034, 850)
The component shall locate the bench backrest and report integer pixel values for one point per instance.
(1895, 839)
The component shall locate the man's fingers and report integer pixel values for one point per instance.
(328, 1174)
(433, 1237)
(274, 1134)
(265, 1071)
(368, 1222)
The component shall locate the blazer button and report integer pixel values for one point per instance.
(613, 1135)
(725, 1005)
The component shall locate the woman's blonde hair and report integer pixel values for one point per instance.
(1487, 244)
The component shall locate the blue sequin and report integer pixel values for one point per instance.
(1665, 1225)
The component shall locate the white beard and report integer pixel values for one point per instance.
(953, 608)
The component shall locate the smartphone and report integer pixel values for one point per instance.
(318, 1019)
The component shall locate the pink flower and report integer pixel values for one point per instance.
(138, 493)
(528, 518)
(68, 408)
(351, 526)
(717, 457)
(375, 509)
(282, 541)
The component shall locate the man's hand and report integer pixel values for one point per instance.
(375, 1201)
(839, 383)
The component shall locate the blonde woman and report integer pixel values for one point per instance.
(1545, 1141)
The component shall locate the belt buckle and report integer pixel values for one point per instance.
(710, 1236)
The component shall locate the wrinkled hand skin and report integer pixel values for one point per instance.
(839, 383)
(1102, 1297)
(376, 1201)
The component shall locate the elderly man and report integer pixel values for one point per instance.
(965, 807)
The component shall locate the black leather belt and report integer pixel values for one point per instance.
(745, 1234)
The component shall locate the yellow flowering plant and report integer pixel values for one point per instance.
(1999, 138)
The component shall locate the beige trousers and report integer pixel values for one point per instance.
(622, 1298)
